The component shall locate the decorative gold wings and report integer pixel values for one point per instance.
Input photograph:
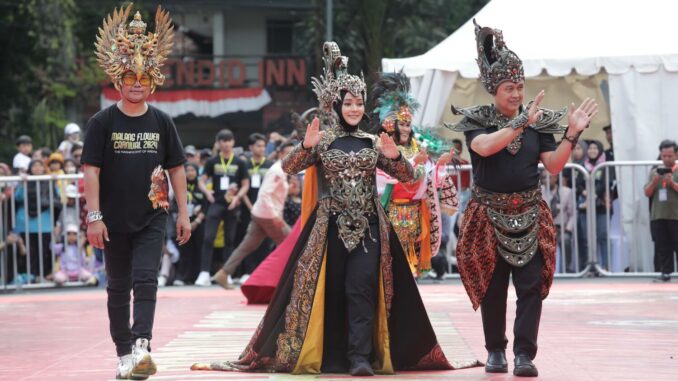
(121, 48)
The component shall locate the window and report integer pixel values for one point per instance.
(279, 36)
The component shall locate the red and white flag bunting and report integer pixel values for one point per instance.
(199, 102)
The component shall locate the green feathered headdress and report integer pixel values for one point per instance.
(392, 101)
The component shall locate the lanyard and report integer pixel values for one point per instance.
(225, 166)
(191, 189)
(256, 166)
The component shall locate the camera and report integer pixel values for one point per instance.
(661, 171)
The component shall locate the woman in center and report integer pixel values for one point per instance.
(346, 301)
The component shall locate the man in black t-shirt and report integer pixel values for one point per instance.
(128, 147)
(507, 227)
(230, 183)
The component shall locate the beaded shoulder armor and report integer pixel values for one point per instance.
(485, 116)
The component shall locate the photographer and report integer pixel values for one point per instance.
(662, 188)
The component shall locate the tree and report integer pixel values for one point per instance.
(43, 80)
(368, 30)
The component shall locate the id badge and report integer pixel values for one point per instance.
(191, 208)
(663, 195)
(256, 180)
(224, 182)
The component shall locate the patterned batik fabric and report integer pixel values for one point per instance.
(477, 250)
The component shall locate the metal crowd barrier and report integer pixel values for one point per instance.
(628, 249)
(20, 276)
(625, 247)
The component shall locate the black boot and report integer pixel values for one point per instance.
(496, 362)
(663, 278)
(360, 367)
(524, 367)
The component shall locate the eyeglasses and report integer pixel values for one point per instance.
(130, 79)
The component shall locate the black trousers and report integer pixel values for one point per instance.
(215, 214)
(132, 261)
(190, 256)
(351, 285)
(528, 284)
(665, 233)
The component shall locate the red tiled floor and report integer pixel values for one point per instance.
(596, 329)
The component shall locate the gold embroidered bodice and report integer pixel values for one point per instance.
(346, 180)
(350, 177)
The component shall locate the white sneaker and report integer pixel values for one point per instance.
(125, 365)
(244, 278)
(178, 282)
(162, 281)
(203, 279)
(143, 363)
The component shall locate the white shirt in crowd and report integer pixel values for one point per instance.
(565, 213)
(272, 194)
(21, 161)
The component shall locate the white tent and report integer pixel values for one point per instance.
(634, 42)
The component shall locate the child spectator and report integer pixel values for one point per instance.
(71, 136)
(73, 263)
(69, 214)
(24, 146)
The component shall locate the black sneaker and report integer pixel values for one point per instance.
(663, 278)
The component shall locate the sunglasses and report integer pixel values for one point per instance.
(130, 79)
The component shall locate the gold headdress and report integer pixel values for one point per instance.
(121, 48)
(335, 78)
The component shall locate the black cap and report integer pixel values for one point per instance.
(24, 139)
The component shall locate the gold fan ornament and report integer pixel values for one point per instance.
(121, 48)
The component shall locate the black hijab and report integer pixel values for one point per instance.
(347, 127)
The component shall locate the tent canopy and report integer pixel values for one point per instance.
(634, 42)
(563, 35)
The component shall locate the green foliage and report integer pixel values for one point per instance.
(367, 30)
(43, 81)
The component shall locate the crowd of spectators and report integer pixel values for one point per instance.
(44, 229)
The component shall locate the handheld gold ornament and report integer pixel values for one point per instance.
(159, 193)
(121, 48)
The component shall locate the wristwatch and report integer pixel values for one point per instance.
(94, 216)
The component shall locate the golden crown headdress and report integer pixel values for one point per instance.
(335, 78)
(121, 48)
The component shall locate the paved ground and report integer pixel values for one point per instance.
(595, 329)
